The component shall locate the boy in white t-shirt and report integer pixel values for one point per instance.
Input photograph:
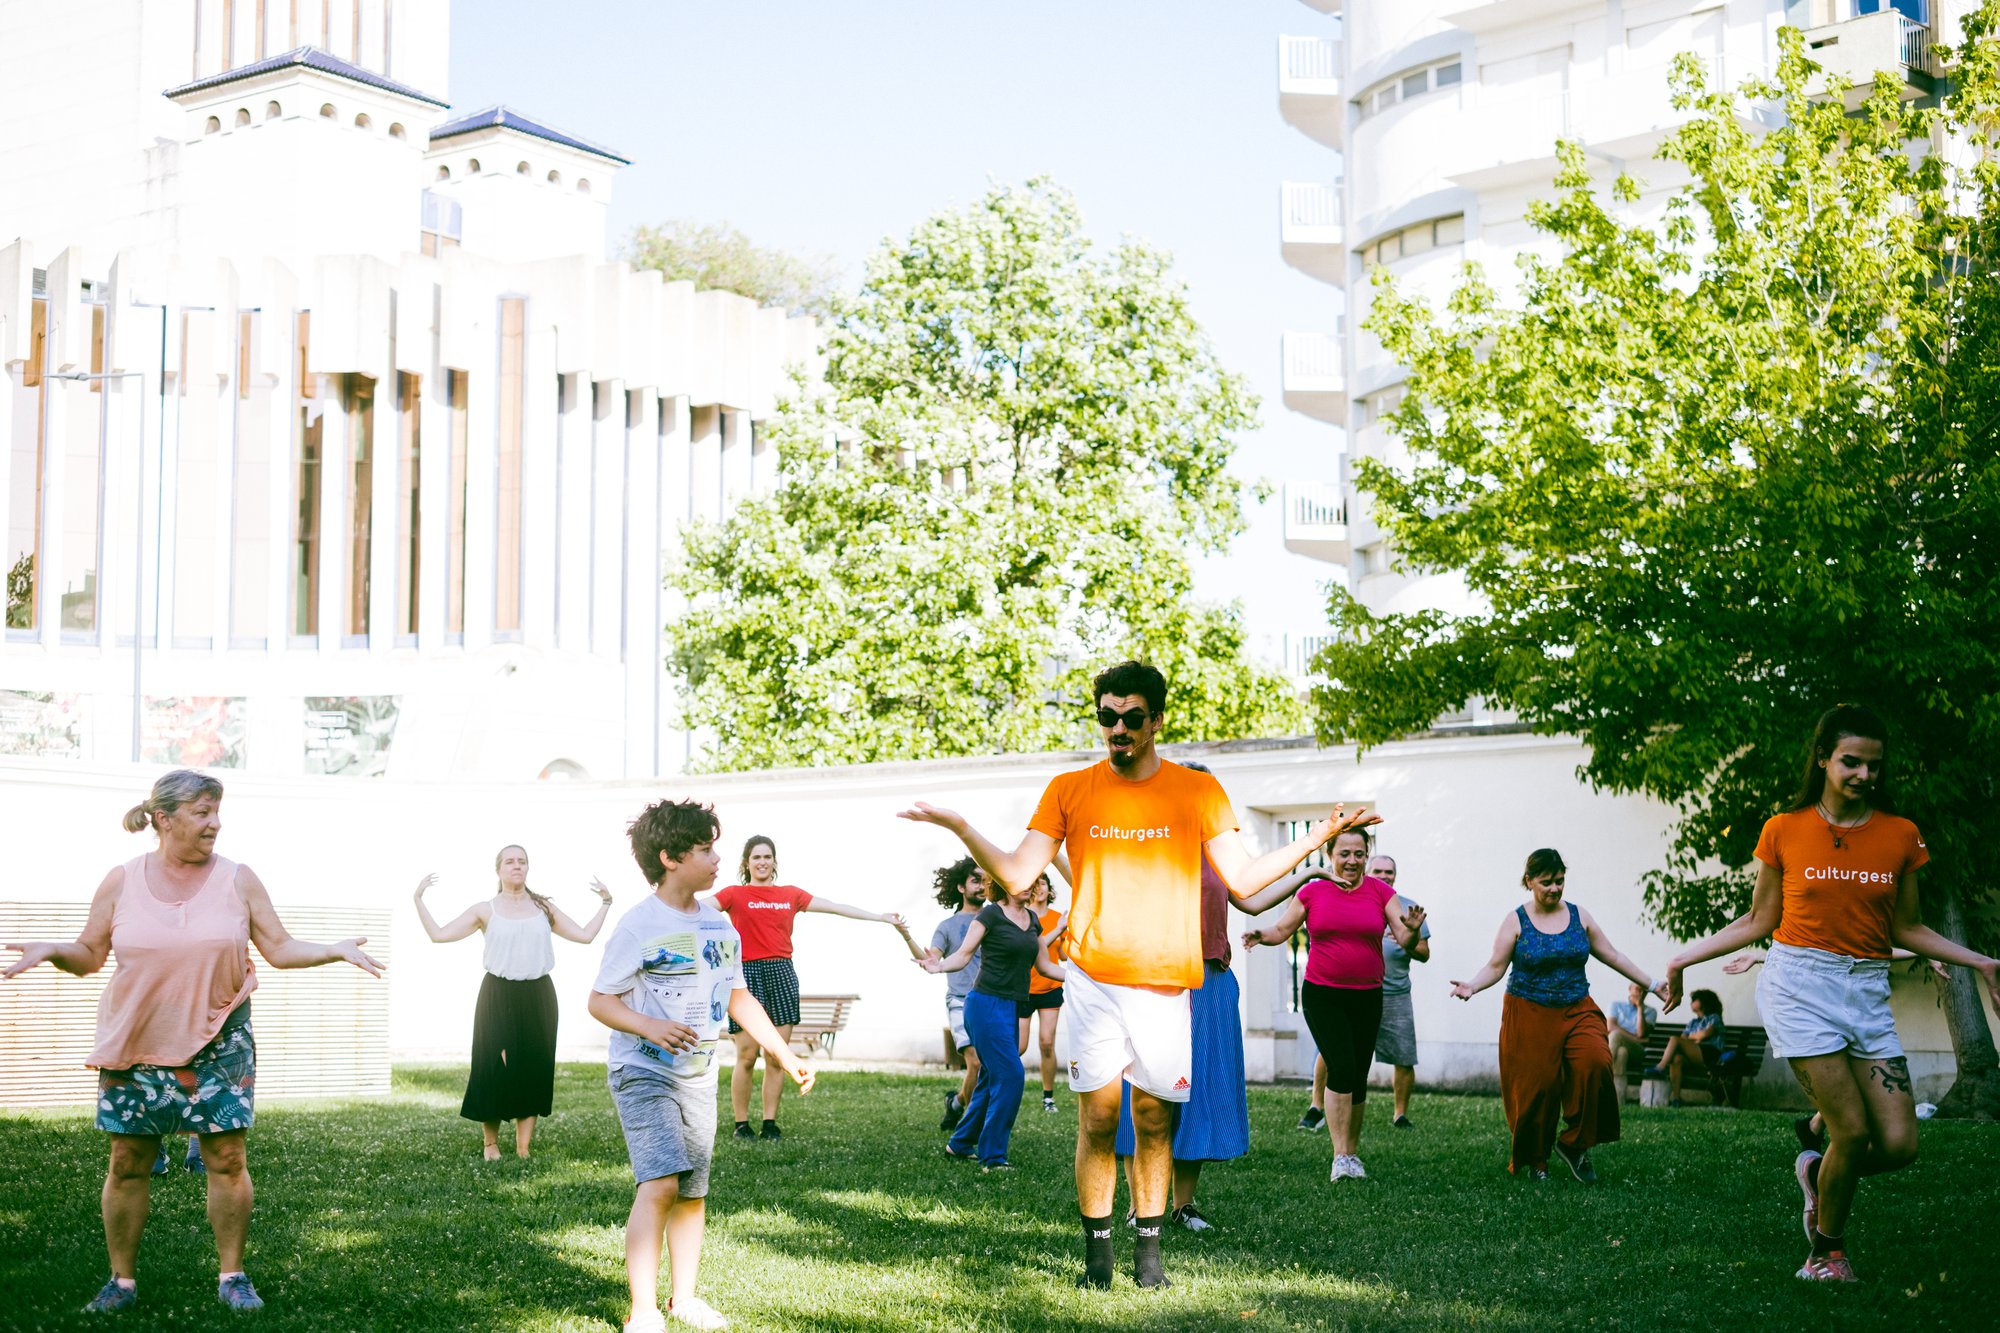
(672, 977)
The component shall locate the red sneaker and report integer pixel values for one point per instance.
(1829, 1267)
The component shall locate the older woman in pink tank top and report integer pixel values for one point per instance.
(174, 1050)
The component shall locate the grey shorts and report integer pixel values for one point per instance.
(1396, 1039)
(954, 1017)
(669, 1130)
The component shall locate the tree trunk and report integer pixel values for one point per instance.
(1975, 1094)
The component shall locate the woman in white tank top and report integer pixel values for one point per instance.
(514, 1026)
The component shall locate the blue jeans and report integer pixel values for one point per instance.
(996, 1099)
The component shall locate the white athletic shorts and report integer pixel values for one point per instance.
(1144, 1037)
(1820, 1003)
(954, 1017)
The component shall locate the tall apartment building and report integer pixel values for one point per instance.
(330, 439)
(1440, 119)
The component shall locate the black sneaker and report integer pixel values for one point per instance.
(1578, 1161)
(1534, 1173)
(770, 1130)
(743, 1130)
(953, 1109)
(1808, 1141)
(1313, 1119)
(1190, 1217)
(1049, 1101)
(1131, 1219)
(1402, 1122)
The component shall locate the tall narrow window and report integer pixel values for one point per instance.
(305, 488)
(229, 34)
(456, 489)
(24, 490)
(250, 501)
(358, 401)
(409, 502)
(195, 482)
(507, 532)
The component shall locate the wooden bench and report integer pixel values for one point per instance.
(1723, 1072)
(821, 1019)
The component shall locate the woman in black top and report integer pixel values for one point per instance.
(1005, 937)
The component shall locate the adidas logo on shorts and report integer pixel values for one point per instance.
(1181, 1084)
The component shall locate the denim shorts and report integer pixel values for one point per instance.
(669, 1129)
(211, 1094)
(1819, 1003)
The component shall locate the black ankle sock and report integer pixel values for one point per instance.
(1097, 1257)
(1825, 1244)
(769, 1122)
(1146, 1269)
(743, 1124)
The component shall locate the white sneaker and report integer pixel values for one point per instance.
(1347, 1168)
(696, 1313)
(647, 1321)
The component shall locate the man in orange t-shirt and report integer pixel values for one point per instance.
(1135, 827)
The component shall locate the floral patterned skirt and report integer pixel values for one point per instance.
(211, 1094)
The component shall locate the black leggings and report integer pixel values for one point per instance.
(1344, 1023)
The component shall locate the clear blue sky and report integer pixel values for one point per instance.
(823, 127)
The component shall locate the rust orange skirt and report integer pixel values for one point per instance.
(1555, 1065)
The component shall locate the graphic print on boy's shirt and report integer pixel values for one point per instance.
(677, 966)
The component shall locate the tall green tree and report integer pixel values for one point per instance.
(1017, 442)
(717, 255)
(1714, 474)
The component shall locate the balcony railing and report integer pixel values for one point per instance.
(1309, 231)
(1309, 65)
(1316, 520)
(1300, 649)
(1312, 212)
(1315, 504)
(1309, 87)
(1916, 46)
(1858, 46)
(1313, 376)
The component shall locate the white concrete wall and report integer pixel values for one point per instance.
(1461, 815)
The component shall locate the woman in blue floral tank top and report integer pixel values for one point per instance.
(1555, 1056)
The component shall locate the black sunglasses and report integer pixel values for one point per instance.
(1133, 719)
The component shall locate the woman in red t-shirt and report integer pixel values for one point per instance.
(1836, 892)
(763, 910)
(1344, 915)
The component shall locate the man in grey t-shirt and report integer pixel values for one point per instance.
(1396, 1040)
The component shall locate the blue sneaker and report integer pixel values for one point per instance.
(237, 1293)
(162, 1163)
(112, 1299)
(193, 1160)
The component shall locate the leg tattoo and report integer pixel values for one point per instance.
(1894, 1073)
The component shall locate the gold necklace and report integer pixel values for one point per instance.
(1836, 829)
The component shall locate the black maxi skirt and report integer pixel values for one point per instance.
(513, 1051)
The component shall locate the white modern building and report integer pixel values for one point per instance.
(331, 439)
(1440, 119)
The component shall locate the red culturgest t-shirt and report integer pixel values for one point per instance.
(1344, 932)
(763, 915)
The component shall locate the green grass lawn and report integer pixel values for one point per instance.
(381, 1215)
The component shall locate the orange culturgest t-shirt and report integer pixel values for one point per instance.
(1135, 848)
(1840, 899)
(1037, 983)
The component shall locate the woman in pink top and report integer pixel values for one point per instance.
(174, 1051)
(1344, 915)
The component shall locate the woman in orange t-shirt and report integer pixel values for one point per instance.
(1837, 891)
(1045, 995)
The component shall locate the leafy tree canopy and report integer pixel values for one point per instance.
(1017, 444)
(1715, 472)
(717, 255)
